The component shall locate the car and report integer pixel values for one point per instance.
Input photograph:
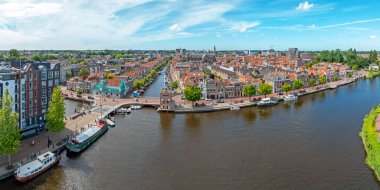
(90, 97)
(79, 95)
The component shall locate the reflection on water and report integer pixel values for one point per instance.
(311, 144)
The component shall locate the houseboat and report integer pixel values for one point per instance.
(86, 138)
(135, 107)
(31, 170)
(267, 102)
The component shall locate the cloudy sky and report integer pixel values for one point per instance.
(190, 24)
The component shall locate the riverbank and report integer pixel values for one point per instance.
(245, 102)
(370, 135)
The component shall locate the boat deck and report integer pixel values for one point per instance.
(86, 134)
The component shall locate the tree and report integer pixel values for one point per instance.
(68, 75)
(37, 57)
(110, 76)
(322, 79)
(153, 73)
(297, 84)
(84, 72)
(192, 93)
(14, 53)
(286, 88)
(138, 84)
(265, 89)
(10, 133)
(207, 72)
(373, 56)
(355, 67)
(56, 112)
(312, 82)
(79, 91)
(249, 90)
(174, 85)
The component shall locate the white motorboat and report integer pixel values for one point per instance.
(122, 111)
(235, 108)
(267, 102)
(290, 97)
(32, 169)
(129, 110)
(135, 107)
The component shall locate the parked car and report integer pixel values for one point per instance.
(79, 95)
(220, 101)
(90, 97)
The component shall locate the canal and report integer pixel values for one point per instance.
(154, 89)
(311, 144)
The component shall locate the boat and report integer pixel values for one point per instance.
(32, 169)
(111, 123)
(129, 110)
(135, 107)
(267, 102)
(235, 108)
(86, 138)
(290, 97)
(122, 111)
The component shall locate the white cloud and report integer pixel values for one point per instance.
(244, 26)
(175, 27)
(218, 35)
(305, 6)
(373, 37)
(22, 10)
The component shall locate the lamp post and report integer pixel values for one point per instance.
(101, 97)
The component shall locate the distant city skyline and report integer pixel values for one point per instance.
(196, 24)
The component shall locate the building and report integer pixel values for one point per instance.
(292, 53)
(373, 67)
(31, 86)
(166, 101)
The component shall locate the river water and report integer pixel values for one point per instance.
(311, 144)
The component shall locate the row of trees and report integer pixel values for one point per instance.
(153, 73)
(10, 134)
(349, 57)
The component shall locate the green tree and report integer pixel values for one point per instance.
(322, 80)
(207, 72)
(297, 84)
(265, 89)
(37, 57)
(373, 56)
(84, 72)
(153, 73)
(110, 76)
(192, 93)
(355, 67)
(312, 82)
(79, 91)
(174, 85)
(10, 133)
(286, 87)
(68, 75)
(138, 84)
(14, 53)
(56, 112)
(249, 90)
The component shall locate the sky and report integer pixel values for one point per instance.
(190, 24)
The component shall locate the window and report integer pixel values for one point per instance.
(56, 73)
(50, 83)
(43, 93)
(56, 82)
(30, 94)
(43, 84)
(43, 74)
(30, 76)
(30, 85)
(30, 103)
(50, 74)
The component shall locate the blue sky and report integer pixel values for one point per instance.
(190, 24)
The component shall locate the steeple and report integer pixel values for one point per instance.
(214, 49)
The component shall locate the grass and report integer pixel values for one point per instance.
(371, 141)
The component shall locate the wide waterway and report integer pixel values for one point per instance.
(312, 144)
